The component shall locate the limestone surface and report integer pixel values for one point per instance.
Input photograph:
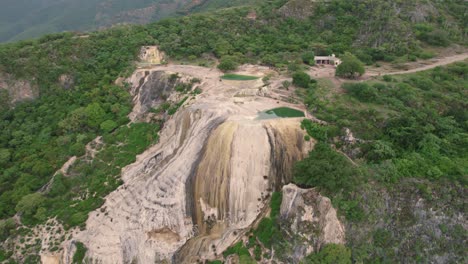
(199, 189)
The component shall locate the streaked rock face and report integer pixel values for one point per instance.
(151, 55)
(201, 187)
(311, 217)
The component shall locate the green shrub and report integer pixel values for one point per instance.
(80, 253)
(6, 228)
(258, 253)
(315, 130)
(267, 231)
(387, 78)
(308, 58)
(214, 262)
(301, 79)
(330, 254)
(327, 169)
(362, 91)
(286, 84)
(227, 64)
(380, 150)
(237, 249)
(108, 125)
(351, 67)
(275, 204)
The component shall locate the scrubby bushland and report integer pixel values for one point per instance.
(411, 130)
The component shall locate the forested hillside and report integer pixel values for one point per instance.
(30, 18)
(412, 129)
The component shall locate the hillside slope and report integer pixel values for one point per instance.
(28, 19)
(401, 184)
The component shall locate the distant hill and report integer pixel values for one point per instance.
(22, 19)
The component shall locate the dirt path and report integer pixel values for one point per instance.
(421, 66)
(328, 72)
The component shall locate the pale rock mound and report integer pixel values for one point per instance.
(204, 184)
(310, 221)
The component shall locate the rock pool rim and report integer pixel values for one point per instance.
(280, 112)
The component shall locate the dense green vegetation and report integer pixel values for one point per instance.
(327, 169)
(80, 253)
(330, 254)
(412, 142)
(37, 137)
(415, 125)
(27, 19)
(334, 28)
(238, 77)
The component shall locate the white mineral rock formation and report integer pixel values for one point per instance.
(207, 180)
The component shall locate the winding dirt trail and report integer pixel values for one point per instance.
(430, 65)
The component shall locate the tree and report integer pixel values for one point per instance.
(301, 79)
(351, 67)
(327, 169)
(4, 156)
(29, 204)
(330, 254)
(108, 125)
(309, 58)
(227, 64)
(381, 150)
(286, 84)
(95, 115)
(6, 226)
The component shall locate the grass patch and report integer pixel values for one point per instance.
(238, 77)
(286, 112)
(80, 253)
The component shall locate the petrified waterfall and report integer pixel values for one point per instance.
(204, 184)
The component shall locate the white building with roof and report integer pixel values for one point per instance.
(327, 60)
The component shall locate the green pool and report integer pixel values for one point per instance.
(238, 77)
(280, 112)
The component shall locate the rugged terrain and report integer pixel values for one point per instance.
(206, 181)
(108, 159)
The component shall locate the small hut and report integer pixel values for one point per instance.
(327, 60)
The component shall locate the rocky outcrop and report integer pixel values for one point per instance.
(150, 89)
(310, 221)
(300, 9)
(66, 81)
(151, 55)
(18, 90)
(203, 185)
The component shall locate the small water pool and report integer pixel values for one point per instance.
(280, 112)
(238, 77)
